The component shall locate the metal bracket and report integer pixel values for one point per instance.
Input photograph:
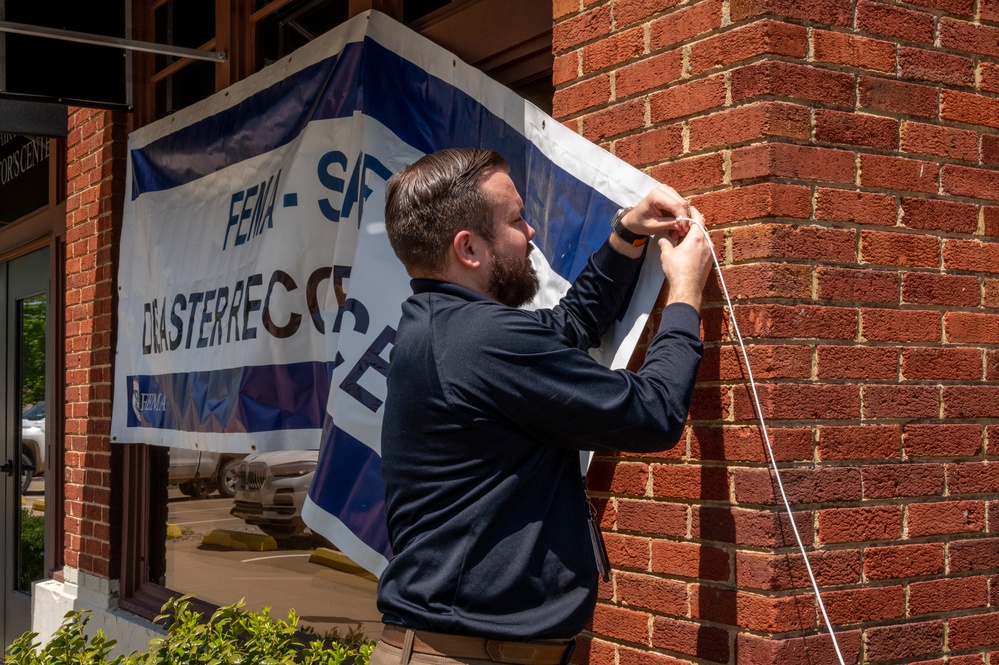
(103, 40)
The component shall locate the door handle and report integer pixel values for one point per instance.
(8, 468)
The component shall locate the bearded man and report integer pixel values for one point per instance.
(488, 406)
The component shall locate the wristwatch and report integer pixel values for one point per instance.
(633, 239)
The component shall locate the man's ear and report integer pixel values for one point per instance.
(468, 249)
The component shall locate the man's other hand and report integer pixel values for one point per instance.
(688, 264)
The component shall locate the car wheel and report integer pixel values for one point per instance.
(227, 479)
(27, 472)
(196, 489)
(281, 531)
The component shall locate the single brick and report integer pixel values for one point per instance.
(889, 481)
(826, 12)
(763, 37)
(971, 255)
(899, 249)
(971, 327)
(618, 119)
(965, 36)
(904, 641)
(809, 650)
(960, 401)
(903, 561)
(655, 145)
(970, 555)
(931, 214)
(936, 289)
(969, 108)
(693, 173)
(842, 48)
(858, 442)
(792, 161)
(857, 362)
(668, 519)
(627, 551)
(900, 325)
(779, 572)
(942, 440)
(924, 138)
(744, 444)
(688, 481)
(627, 12)
(854, 128)
(848, 525)
(688, 99)
(652, 593)
(772, 77)
(900, 402)
(579, 29)
(763, 280)
(885, 171)
(855, 285)
(884, 94)
(678, 26)
(942, 364)
(690, 560)
(617, 48)
(694, 639)
(946, 517)
(973, 631)
(755, 202)
(619, 477)
(763, 528)
(621, 623)
(765, 241)
(972, 478)
(931, 65)
(872, 604)
(892, 21)
(857, 207)
(658, 70)
(745, 123)
(801, 322)
(585, 95)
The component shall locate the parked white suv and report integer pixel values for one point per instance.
(271, 489)
(33, 437)
(198, 473)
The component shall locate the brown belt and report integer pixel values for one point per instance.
(480, 648)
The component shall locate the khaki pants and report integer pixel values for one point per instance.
(386, 654)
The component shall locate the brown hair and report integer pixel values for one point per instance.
(428, 202)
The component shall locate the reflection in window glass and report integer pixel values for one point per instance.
(296, 24)
(224, 509)
(31, 441)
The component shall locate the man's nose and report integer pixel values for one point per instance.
(530, 232)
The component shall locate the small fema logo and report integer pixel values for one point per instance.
(145, 401)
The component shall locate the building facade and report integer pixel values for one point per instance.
(845, 155)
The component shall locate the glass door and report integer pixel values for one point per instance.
(24, 292)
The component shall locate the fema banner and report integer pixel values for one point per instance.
(258, 293)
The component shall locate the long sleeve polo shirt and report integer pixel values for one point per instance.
(487, 408)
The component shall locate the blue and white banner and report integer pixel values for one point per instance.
(259, 295)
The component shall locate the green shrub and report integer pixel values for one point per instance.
(231, 636)
(32, 561)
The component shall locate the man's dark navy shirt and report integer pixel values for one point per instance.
(487, 408)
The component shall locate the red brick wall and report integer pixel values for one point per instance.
(90, 238)
(845, 155)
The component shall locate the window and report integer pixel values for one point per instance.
(185, 508)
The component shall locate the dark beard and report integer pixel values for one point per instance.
(512, 282)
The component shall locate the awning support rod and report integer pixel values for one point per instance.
(103, 40)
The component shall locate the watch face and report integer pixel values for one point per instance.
(623, 233)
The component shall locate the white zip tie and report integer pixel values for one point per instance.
(766, 439)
